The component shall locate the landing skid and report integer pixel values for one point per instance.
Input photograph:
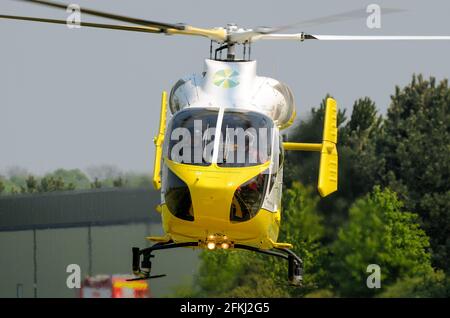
(142, 269)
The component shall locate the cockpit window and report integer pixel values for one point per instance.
(190, 136)
(246, 139)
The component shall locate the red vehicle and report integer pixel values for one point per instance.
(115, 286)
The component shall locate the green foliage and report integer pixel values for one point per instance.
(235, 274)
(97, 184)
(138, 180)
(320, 293)
(357, 159)
(118, 182)
(31, 185)
(17, 181)
(74, 176)
(433, 285)
(302, 226)
(407, 152)
(414, 150)
(378, 232)
(74, 179)
(46, 184)
(358, 145)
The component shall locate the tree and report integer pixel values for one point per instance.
(118, 182)
(302, 225)
(378, 232)
(234, 274)
(434, 285)
(2, 186)
(52, 184)
(358, 161)
(413, 150)
(97, 184)
(357, 141)
(46, 184)
(138, 180)
(31, 185)
(74, 176)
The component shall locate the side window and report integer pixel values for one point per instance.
(281, 154)
(177, 195)
(278, 159)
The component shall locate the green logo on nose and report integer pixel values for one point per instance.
(226, 78)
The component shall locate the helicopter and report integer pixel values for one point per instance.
(219, 157)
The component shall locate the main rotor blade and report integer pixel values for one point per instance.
(155, 24)
(382, 37)
(254, 34)
(87, 24)
(343, 16)
(215, 34)
(304, 36)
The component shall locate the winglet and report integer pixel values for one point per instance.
(328, 173)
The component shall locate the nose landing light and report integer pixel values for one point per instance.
(214, 241)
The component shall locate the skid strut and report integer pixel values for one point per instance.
(142, 269)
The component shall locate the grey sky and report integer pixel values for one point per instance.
(75, 98)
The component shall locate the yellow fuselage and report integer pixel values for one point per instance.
(212, 189)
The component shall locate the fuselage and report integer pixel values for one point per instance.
(222, 161)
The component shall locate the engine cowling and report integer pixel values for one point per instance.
(234, 84)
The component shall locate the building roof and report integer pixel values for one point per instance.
(78, 208)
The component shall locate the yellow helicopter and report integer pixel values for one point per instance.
(219, 158)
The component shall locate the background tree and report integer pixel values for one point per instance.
(378, 232)
(138, 180)
(118, 182)
(414, 151)
(357, 159)
(97, 184)
(46, 184)
(52, 184)
(434, 285)
(31, 185)
(73, 176)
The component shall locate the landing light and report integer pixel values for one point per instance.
(211, 245)
(225, 245)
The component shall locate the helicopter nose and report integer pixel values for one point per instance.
(212, 196)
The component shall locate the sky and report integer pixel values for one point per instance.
(78, 98)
